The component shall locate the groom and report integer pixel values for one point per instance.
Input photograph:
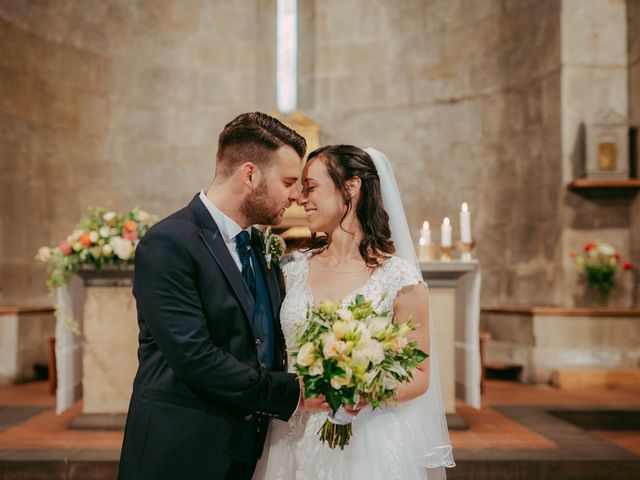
(212, 355)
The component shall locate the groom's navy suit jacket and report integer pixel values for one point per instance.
(200, 387)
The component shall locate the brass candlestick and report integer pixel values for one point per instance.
(445, 253)
(465, 250)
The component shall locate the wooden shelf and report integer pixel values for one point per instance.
(583, 183)
(565, 311)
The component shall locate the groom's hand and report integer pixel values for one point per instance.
(315, 404)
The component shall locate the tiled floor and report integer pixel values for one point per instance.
(491, 429)
(488, 427)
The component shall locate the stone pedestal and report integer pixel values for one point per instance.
(454, 292)
(110, 342)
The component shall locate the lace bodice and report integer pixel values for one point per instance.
(390, 278)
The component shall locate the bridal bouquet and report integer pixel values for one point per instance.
(351, 353)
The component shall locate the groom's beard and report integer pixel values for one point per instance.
(258, 209)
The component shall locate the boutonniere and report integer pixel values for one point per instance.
(274, 246)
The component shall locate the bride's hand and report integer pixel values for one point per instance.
(353, 411)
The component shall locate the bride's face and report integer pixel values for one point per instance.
(320, 198)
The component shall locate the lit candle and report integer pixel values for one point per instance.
(425, 233)
(465, 224)
(424, 243)
(445, 233)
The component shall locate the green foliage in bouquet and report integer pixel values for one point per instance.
(101, 238)
(347, 353)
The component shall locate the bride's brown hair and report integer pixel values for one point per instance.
(344, 162)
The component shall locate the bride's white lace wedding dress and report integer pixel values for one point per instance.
(387, 443)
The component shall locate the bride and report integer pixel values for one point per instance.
(350, 195)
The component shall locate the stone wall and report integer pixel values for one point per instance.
(119, 104)
(464, 98)
(594, 75)
(633, 33)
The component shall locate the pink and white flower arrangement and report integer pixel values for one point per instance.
(101, 238)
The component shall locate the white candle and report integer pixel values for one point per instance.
(445, 233)
(465, 224)
(425, 233)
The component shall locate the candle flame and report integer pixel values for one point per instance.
(425, 226)
(446, 221)
(423, 241)
(465, 207)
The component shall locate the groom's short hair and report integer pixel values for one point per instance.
(253, 137)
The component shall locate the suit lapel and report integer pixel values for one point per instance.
(213, 241)
(268, 273)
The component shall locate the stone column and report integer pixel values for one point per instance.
(593, 76)
(633, 34)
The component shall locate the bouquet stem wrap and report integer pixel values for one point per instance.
(336, 430)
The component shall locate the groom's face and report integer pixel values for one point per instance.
(277, 188)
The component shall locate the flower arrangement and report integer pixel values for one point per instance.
(351, 353)
(599, 263)
(101, 238)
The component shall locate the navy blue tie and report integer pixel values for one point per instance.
(243, 247)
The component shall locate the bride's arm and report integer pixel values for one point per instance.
(413, 301)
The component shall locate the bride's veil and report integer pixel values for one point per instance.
(424, 416)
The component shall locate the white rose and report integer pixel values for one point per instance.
(359, 359)
(107, 250)
(378, 325)
(93, 236)
(337, 382)
(316, 368)
(345, 314)
(77, 246)
(104, 232)
(43, 254)
(122, 247)
(109, 216)
(332, 347)
(306, 355)
(371, 349)
(96, 251)
(142, 215)
(76, 234)
(607, 249)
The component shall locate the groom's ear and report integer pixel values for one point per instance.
(353, 186)
(247, 172)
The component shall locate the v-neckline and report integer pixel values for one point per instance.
(352, 294)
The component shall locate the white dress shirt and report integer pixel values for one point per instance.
(229, 229)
